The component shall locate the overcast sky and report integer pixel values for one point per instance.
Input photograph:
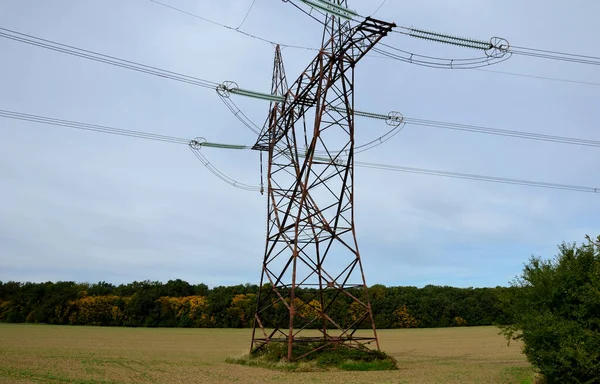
(83, 206)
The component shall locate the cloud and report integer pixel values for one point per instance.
(77, 205)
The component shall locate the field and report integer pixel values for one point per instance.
(89, 355)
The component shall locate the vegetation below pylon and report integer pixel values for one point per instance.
(329, 357)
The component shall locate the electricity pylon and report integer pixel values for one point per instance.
(313, 289)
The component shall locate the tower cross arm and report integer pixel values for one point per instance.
(302, 94)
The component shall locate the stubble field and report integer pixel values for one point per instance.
(70, 354)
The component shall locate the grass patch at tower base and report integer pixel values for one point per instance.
(323, 357)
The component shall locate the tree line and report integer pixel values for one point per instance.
(553, 307)
(177, 303)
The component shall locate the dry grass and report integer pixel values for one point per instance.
(87, 355)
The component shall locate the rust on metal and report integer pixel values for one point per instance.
(312, 267)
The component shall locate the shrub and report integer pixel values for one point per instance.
(556, 311)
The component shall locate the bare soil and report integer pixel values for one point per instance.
(71, 354)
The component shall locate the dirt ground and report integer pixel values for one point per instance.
(90, 355)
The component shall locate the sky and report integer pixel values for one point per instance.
(88, 207)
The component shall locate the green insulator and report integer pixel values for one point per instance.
(371, 115)
(338, 7)
(450, 37)
(224, 146)
(257, 95)
(449, 41)
(457, 43)
(363, 114)
(330, 8)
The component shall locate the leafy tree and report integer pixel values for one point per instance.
(9, 289)
(201, 289)
(101, 288)
(188, 311)
(459, 321)
(177, 288)
(556, 312)
(95, 310)
(241, 310)
(177, 303)
(404, 319)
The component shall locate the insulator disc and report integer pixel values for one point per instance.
(394, 119)
(197, 142)
(498, 47)
(225, 88)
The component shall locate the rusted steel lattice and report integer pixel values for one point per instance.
(313, 287)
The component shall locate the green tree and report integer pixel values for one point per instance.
(556, 312)
(240, 312)
(177, 288)
(404, 319)
(100, 289)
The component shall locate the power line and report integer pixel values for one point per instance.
(438, 62)
(502, 132)
(210, 84)
(247, 13)
(231, 28)
(384, 54)
(178, 140)
(559, 53)
(215, 171)
(459, 175)
(99, 57)
(378, 8)
(63, 48)
(397, 119)
(570, 59)
(498, 47)
(538, 77)
(309, 14)
(556, 55)
(87, 54)
(237, 112)
(133, 134)
(412, 58)
(92, 127)
(502, 180)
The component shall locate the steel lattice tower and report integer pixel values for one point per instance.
(313, 286)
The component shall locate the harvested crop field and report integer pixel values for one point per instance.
(71, 354)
